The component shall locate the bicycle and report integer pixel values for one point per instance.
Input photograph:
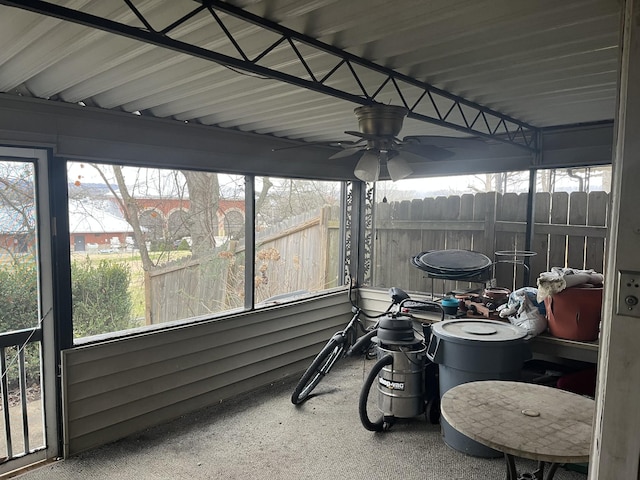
(343, 343)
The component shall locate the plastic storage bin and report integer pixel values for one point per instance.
(472, 350)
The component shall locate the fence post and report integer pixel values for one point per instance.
(323, 244)
(229, 280)
(490, 224)
(148, 299)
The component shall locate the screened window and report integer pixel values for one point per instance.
(149, 246)
(297, 238)
(467, 212)
(488, 213)
(574, 205)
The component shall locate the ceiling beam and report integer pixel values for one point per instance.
(370, 81)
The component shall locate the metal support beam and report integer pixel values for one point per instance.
(370, 81)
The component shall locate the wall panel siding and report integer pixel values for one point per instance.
(115, 388)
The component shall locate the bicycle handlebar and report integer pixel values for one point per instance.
(424, 302)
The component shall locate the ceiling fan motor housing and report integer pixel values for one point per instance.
(382, 120)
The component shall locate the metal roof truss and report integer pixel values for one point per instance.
(370, 82)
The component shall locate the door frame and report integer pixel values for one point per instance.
(50, 385)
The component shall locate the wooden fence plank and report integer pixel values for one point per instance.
(429, 215)
(415, 246)
(577, 216)
(381, 238)
(540, 242)
(465, 237)
(452, 237)
(439, 238)
(491, 201)
(559, 216)
(508, 211)
(479, 214)
(399, 251)
(597, 216)
(521, 241)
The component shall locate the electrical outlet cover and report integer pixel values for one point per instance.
(628, 293)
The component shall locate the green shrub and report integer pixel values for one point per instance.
(101, 304)
(19, 300)
(19, 295)
(184, 245)
(101, 299)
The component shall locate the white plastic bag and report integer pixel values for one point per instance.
(523, 310)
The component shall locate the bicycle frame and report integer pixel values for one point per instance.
(338, 346)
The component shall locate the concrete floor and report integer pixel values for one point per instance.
(261, 435)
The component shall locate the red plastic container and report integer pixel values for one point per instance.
(575, 313)
(582, 382)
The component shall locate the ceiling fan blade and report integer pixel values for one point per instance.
(398, 168)
(410, 156)
(365, 136)
(347, 152)
(368, 167)
(430, 152)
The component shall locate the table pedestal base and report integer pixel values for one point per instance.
(512, 472)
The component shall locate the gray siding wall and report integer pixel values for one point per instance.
(115, 388)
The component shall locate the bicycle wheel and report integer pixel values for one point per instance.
(328, 356)
(376, 425)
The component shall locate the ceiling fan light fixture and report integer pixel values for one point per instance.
(368, 167)
(398, 168)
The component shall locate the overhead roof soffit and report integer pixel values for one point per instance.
(95, 134)
(327, 69)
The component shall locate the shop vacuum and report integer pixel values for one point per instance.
(405, 380)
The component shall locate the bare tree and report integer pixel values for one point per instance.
(129, 209)
(17, 203)
(501, 182)
(286, 198)
(204, 197)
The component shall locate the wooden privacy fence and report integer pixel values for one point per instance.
(569, 231)
(299, 254)
(302, 253)
(187, 288)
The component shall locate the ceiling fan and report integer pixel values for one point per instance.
(378, 144)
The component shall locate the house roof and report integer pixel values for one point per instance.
(87, 217)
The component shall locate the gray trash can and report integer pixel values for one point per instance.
(472, 350)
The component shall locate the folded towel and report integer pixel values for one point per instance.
(560, 278)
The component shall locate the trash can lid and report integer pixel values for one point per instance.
(478, 330)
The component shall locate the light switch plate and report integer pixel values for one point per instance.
(628, 293)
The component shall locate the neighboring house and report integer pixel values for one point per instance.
(17, 229)
(98, 224)
(94, 228)
(169, 217)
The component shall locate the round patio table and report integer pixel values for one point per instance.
(523, 420)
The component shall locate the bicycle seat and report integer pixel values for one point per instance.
(397, 294)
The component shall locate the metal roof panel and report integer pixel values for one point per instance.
(545, 62)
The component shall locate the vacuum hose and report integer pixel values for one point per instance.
(378, 425)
